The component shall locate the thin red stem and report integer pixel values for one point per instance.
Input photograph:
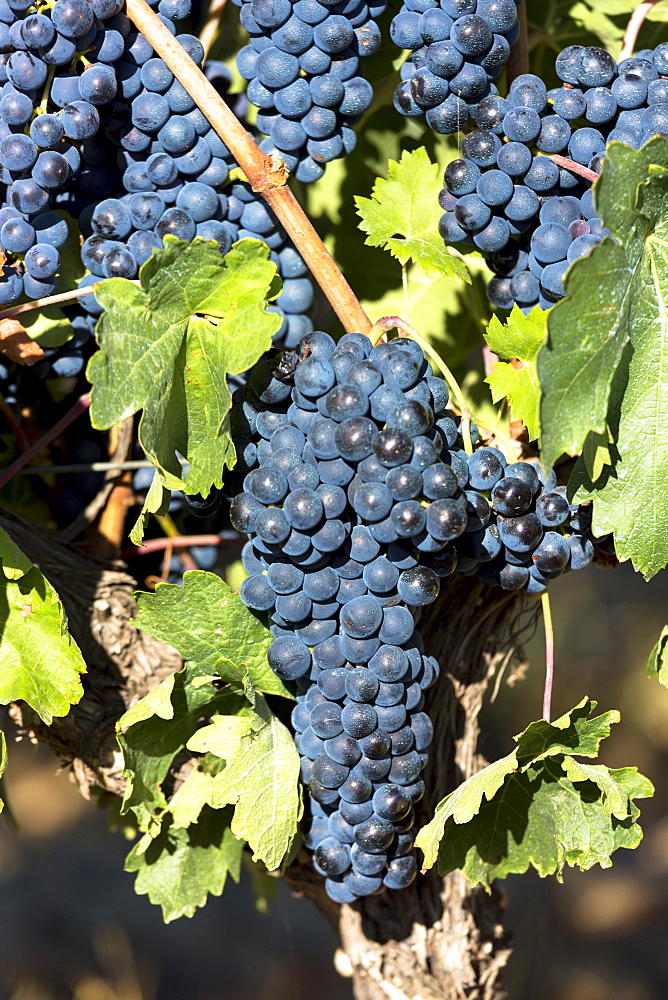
(575, 168)
(633, 28)
(79, 407)
(52, 300)
(178, 542)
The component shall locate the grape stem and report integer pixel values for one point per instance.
(177, 542)
(207, 35)
(382, 326)
(549, 656)
(633, 28)
(53, 300)
(267, 174)
(575, 168)
(75, 411)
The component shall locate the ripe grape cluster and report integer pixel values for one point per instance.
(304, 76)
(509, 199)
(358, 499)
(94, 124)
(458, 48)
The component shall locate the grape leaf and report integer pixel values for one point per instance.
(167, 346)
(402, 215)
(538, 806)
(13, 562)
(657, 664)
(150, 746)
(519, 339)
(261, 779)
(40, 662)
(156, 501)
(180, 867)
(212, 630)
(612, 371)
(541, 819)
(156, 702)
(194, 793)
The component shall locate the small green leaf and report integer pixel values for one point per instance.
(156, 501)
(657, 665)
(212, 630)
(41, 662)
(150, 746)
(223, 737)
(402, 215)
(261, 779)
(538, 807)
(520, 338)
(190, 797)
(13, 563)
(156, 702)
(573, 733)
(604, 366)
(462, 805)
(181, 867)
(167, 346)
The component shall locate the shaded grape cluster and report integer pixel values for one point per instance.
(458, 48)
(358, 499)
(506, 197)
(303, 70)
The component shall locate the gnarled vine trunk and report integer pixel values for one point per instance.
(437, 940)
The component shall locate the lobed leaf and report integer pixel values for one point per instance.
(402, 215)
(212, 629)
(605, 366)
(181, 867)
(167, 346)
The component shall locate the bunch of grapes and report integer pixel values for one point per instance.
(303, 69)
(358, 499)
(92, 122)
(508, 198)
(458, 48)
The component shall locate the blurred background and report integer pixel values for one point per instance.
(71, 927)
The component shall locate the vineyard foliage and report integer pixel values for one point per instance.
(588, 379)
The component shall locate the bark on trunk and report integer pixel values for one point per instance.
(123, 663)
(437, 940)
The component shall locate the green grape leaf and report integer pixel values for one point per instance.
(181, 867)
(541, 819)
(402, 215)
(41, 662)
(261, 779)
(156, 501)
(604, 367)
(150, 745)
(167, 346)
(538, 806)
(194, 793)
(157, 702)
(575, 733)
(13, 563)
(519, 339)
(212, 630)
(657, 664)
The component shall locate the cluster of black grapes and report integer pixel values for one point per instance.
(94, 124)
(508, 198)
(303, 69)
(458, 48)
(358, 498)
